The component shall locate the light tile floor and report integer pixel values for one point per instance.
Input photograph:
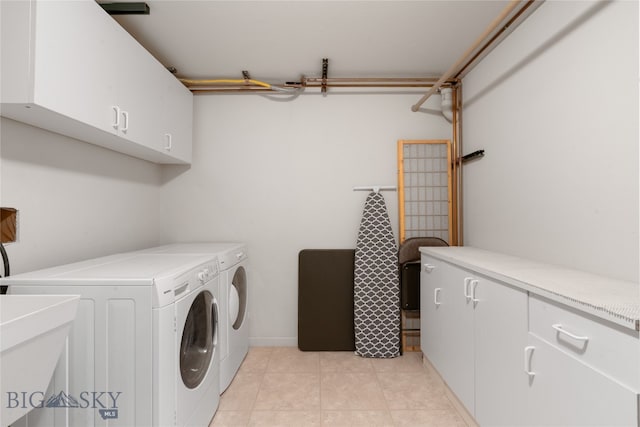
(283, 386)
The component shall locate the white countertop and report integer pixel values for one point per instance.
(610, 299)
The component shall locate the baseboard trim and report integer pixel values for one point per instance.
(455, 402)
(273, 342)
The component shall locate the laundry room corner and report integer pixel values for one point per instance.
(279, 176)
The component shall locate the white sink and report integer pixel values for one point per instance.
(33, 330)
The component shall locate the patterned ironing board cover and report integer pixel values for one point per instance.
(376, 284)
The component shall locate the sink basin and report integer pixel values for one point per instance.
(33, 330)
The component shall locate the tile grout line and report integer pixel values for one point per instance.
(262, 378)
(386, 402)
(339, 367)
(320, 388)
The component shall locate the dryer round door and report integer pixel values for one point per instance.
(238, 298)
(198, 340)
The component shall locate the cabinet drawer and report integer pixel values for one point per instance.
(565, 392)
(604, 346)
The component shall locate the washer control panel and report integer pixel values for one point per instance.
(171, 287)
(207, 273)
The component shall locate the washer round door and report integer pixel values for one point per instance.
(198, 340)
(238, 298)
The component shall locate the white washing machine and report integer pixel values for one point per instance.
(234, 300)
(143, 350)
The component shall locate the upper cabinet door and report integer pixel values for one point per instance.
(68, 67)
(139, 91)
(177, 135)
(74, 73)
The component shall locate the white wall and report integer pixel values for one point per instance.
(555, 106)
(75, 200)
(279, 176)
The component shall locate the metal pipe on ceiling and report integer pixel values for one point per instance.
(456, 172)
(372, 85)
(465, 56)
(372, 79)
(231, 85)
(522, 14)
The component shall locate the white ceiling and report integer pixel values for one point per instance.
(279, 41)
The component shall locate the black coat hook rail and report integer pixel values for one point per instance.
(126, 8)
(471, 156)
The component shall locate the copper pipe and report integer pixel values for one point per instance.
(495, 37)
(458, 104)
(453, 240)
(450, 72)
(316, 82)
(371, 79)
(372, 85)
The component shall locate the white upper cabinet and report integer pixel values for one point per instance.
(178, 116)
(139, 116)
(69, 68)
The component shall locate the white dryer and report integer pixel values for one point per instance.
(143, 348)
(234, 300)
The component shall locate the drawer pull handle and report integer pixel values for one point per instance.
(528, 352)
(467, 292)
(558, 327)
(428, 268)
(436, 294)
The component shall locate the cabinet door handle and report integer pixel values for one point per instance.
(428, 268)
(125, 116)
(167, 141)
(558, 327)
(436, 294)
(474, 284)
(116, 121)
(528, 353)
(467, 292)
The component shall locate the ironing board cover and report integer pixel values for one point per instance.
(376, 285)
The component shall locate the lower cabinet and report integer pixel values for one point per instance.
(500, 336)
(583, 371)
(515, 359)
(473, 332)
(566, 392)
(448, 339)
